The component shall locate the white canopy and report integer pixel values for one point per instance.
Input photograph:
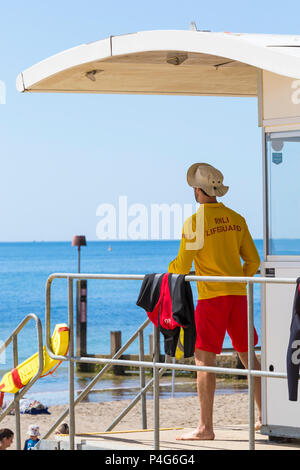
(167, 62)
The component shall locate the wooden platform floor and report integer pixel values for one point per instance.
(226, 438)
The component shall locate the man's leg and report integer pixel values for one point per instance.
(238, 332)
(206, 384)
(257, 383)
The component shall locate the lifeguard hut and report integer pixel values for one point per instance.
(262, 66)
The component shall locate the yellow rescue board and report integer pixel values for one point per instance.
(179, 353)
(18, 377)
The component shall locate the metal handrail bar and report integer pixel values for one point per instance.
(156, 337)
(71, 364)
(142, 380)
(251, 405)
(185, 367)
(259, 280)
(156, 365)
(15, 404)
(140, 277)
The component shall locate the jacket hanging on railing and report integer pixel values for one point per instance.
(293, 351)
(168, 301)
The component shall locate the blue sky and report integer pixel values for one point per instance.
(64, 155)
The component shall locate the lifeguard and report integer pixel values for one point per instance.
(221, 307)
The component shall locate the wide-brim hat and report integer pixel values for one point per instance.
(33, 430)
(208, 178)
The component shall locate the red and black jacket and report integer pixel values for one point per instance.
(168, 301)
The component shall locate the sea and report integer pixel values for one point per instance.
(111, 305)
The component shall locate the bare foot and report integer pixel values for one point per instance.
(258, 425)
(197, 435)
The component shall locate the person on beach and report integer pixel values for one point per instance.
(215, 238)
(6, 438)
(62, 429)
(33, 433)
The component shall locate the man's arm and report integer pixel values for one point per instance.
(192, 241)
(183, 263)
(249, 254)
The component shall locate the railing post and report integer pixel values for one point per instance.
(251, 379)
(14, 404)
(156, 388)
(142, 380)
(16, 397)
(115, 346)
(71, 363)
(151, 345)
(173, 379)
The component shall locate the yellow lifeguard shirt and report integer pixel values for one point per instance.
(216, 238)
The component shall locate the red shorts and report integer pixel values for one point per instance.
(215, 316)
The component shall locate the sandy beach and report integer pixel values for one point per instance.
(174, 412)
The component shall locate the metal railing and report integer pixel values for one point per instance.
(155, 365)
(15, 404)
